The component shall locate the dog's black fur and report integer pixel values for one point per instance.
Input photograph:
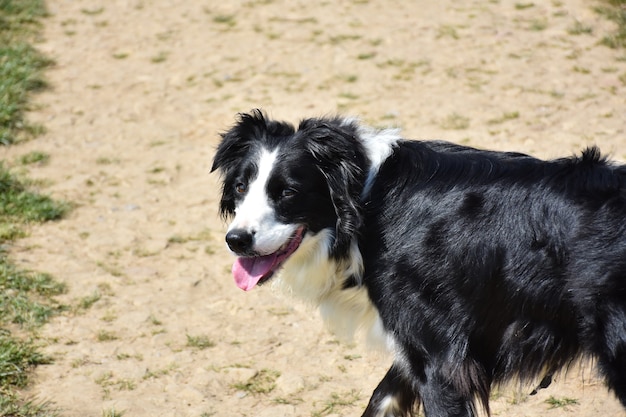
(483, 266)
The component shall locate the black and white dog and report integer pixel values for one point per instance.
(472, 267)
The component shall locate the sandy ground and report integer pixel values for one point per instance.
(140, 91)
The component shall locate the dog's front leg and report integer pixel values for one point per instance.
(393, 397)
(440, 398)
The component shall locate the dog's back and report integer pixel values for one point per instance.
(501, 264)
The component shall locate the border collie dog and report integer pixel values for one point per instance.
(471, 267)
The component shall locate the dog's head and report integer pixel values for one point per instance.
(282, 186)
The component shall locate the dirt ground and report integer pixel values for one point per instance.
(141, 89)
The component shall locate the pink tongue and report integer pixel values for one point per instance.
(249, 271)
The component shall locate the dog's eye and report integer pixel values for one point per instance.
(240, 188)
(288, 192)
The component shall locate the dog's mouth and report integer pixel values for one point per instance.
(250, 271)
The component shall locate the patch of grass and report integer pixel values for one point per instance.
(18, 208)
(225, 19)
(615, 10)
(103, 160)
(11, 405)
(203, 235)
(16, 358)
(538, 25)
(160, 57)
(579, 28)
(86, 302)
(26, 298)
(447, 31)
(111, 269)
(348, 95)
(124, 356)
(454, 121)
(505, 117)
(200, 342)
(112, 412)
(523, 6)
(564, 402)
(21, 67)
(92, 12)
(263, 382)
(35, 157)
(105, 381)
(336, 402)
(352, 357)
(291, 400)
(106, 336)
(149, 374)
(177, 239)
(366, 55)
(334, 40)
(20, 205)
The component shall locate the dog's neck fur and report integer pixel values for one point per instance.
(320, 280)
(317, 279)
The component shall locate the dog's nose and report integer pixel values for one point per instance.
(240, 241)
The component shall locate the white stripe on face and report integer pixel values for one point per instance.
(255, 213)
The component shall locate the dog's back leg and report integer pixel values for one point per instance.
(393, 397)
(612, 352)
(440, 398)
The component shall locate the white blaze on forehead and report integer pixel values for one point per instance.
(256, 203)
(255, 213)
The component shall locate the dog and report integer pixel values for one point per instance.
(472, 267)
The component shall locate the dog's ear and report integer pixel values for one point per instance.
(236, 141)
(249, 129)
(341, 159)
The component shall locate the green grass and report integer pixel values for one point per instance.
(337, 402)
(454, 121)
(505, 117)
(17, 356)
(225, 19)
(200, 342)
(20, 205)
(106, 336)
(614, 10)
(263, 382)
(20, 67)
(35, 157)
(26, 297)
(522, 6)
(12, 406)
(565, 402)
(579, 28)
(112, 412)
